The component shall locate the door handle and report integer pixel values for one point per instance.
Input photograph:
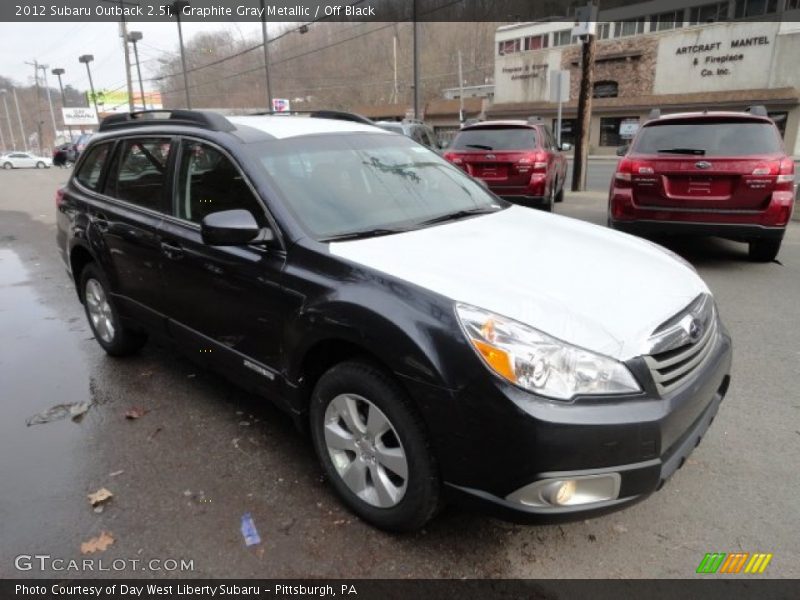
(171, 251)
(100, 222)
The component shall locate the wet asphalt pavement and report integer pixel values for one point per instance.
(205, 453)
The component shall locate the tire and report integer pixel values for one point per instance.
(560, 195)
(551, 198)
(391, 481)
(8, 166)
(764, 250)
(40, 165)
(115, 338)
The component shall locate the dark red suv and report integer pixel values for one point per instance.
(712, 173)
(518, 160)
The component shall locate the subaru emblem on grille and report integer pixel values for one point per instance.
(490, 157)
(702, 164)
(695, 329)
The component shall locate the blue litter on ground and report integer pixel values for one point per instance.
(249, 531)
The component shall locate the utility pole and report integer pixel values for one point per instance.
(58, 73)
(4, 94)
(394, 52)
(3, 141)
(177, 8)
(19, 118)
(123, 26)
(50, 103)
(460, 91)
(35, 65)
(265, 38)
(416, 63)
(584, 105)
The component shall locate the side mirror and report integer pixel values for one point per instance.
(232, 228)
(565, 147)
(623, 150)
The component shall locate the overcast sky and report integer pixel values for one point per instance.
(60, 45)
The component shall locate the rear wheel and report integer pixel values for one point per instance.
(764, 250)
(372, 445)
(560, 195)
(115, 338)
(40, 165)
(551, 198)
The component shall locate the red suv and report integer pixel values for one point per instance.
(712, 173)
(518, 160)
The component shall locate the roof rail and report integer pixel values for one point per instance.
(655, 113)
(340, 115)
(758, 110)
(144, 118)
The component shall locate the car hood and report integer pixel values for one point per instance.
(588, 285)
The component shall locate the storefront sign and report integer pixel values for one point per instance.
(628, 128)
(79, 116)
(524, 71)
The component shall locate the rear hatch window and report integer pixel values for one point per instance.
(495, 138)
(718, 137)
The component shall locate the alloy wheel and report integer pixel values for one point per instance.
(100, 311)
(365, 450)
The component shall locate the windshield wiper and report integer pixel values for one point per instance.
(696, 151)
(364, 233)
(460, 214)
(479, 146)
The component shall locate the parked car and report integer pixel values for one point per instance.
(390, 304)
(24, 160)
(707, 173)
(415, 129)
(65, 155)
(518, 160)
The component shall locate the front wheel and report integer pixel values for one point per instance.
(372, 445)
(115, 338)
(764, 250)
(8, 166)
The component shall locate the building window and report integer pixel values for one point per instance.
(755, 8)
(792, 4)
(508, 47)
(708, 13)
(536, 42)
(667, 20)
(629, 27)
(562, 38)
(569, 127)
(610, 130)
(605, 89)
(780, 121)
(603, 31)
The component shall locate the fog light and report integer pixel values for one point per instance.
(557, 492)
(564, 491)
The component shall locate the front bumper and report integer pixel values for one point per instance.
(499, 439)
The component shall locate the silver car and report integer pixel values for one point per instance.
(24, 160)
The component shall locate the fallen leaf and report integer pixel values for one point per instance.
(136, 412)
(97, 544)
(99, 496)
(115, 473)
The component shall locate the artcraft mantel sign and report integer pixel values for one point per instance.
(712, 63)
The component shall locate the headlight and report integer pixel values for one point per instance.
(540, 363)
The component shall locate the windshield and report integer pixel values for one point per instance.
(491, 138)
(343, 184)
(709, 138)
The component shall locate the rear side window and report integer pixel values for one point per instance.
(709, 138)
(92, 167)
(141, 174)
(491, 138)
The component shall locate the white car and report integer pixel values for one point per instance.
(24, 160)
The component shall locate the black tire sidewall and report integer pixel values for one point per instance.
(764, 250)
(421, 498)
(124, 341)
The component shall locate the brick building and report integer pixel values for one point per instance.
(678, 56)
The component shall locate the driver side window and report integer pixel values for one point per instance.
(209, 182)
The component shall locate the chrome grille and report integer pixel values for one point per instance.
(682, 344)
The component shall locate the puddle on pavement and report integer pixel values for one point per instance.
(41, 365)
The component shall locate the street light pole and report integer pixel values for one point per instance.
(133, 37)
(266, 54)
(4, 94)
(50, 103)
(58, 73)
(19, 118)
(177, 7)
(86, 59)
(416, 62)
